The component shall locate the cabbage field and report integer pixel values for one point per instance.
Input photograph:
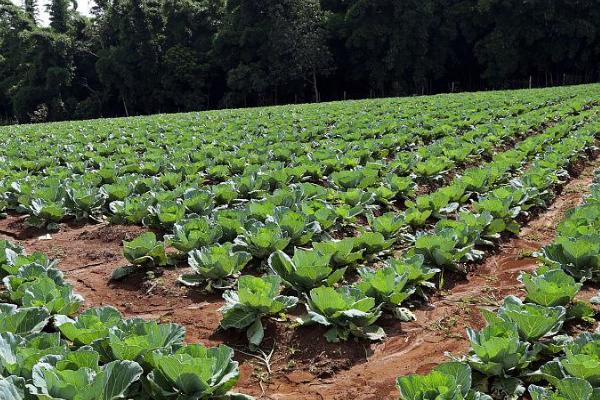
(441, 247)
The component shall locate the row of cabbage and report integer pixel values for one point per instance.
(320, 208)
(87, 182)
(250, 134)
(269, 193)
(534, 346)
(304, 210)
(46, 352)
(576, 248)
(352, 309)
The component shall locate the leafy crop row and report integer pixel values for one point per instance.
(354, 309)
(576, 248)
(302, 198)
(349, 210)
(48, 353)
(120, 173)
(359, 306)
(528, 346)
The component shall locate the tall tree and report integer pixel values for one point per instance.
(131, 37)
(48, 71)
(189, 74)
(59, 15)
(389, 43)
(14, 24)
(270, 48)
(302, 41)
(147, 56)
(31, 8)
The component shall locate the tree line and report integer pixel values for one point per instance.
(134, 57)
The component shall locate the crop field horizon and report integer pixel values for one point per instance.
(412, 248)
(300, 106)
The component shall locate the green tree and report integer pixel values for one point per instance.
(59, 15)
(14, 22)
(269, 48)
(189, 69)
(147, 56)
(47, 75)
(130, 40)
(389, 42)
(31, 8)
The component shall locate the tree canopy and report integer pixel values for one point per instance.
(147, 56)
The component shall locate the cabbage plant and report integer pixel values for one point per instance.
(261, 240)
(504, 214)
(145, 250)
(415, 217)
(45, 214)
(532, 321)
(297, 226)
(131, 210)
(388, 224)
(346, 311)
(566, 389)
(498, 350)
(22, 320)
(550, 287)
(164, 214)
(358, 178)
(20, 353)
(85, 202)
(194, 234)
(322, 212)
(217, 266)
(394, 187)
(578, 256)
(341, 251)
(388, 287)
(581, 360)
(447, 381)
(92, 324)
(118, 191)
(56, 298)
(8, 254)
(432, 169)
(194, 372)
(418, 274)
(307, 269)
(581, 221)
(255, 298)
(442, 249)
(44, 204)
(70, 381)
(231, 222)
(439, 203)
(13, 388)
(36, 263)
(372, 242)
(134, 339)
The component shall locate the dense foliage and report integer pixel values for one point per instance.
(350, 217)
(527, 349)
(336, 215)
(46, 352)
(140, 57)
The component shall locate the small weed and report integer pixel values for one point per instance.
(445, 325)
(534, 236)
(525, 253)
(56, 252)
